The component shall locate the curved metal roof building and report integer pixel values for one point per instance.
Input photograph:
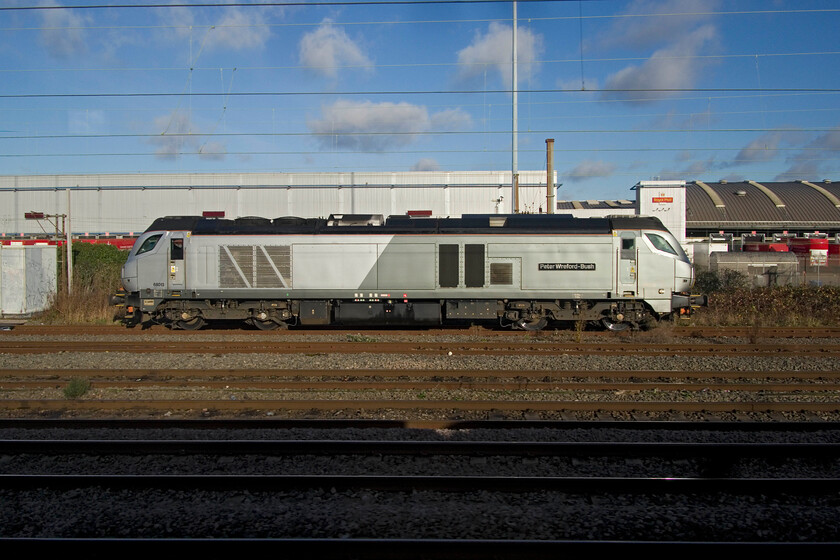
(746, 206)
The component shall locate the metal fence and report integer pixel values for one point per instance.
(777, 269)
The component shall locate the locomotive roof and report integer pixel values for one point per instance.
(469, 223)
(174, 223)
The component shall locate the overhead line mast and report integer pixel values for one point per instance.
(515, 140)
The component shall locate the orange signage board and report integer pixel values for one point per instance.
(663, 199)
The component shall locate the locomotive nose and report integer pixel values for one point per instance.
(129, 275)
(683, 276)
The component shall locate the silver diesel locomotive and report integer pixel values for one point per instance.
(522, 271)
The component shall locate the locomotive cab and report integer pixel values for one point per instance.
(651, 267)
(155, 267)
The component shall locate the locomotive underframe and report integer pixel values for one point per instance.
(528, 314)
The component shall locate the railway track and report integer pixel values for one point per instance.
(389, 391)
(376, 489)
(141, 375)
(399, 408)
(348, 386)
(676, 331)
(448, 386)
(724, 455)
(218, 347)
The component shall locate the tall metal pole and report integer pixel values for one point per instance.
(515, 139)
(549, 175)
(69, 245)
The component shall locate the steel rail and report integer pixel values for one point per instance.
(405, 549)
(250, 405)
(417, 448)
(430, 384)
(574, 485)
(344, 374)
(473, 330)
(279, 424)
(456, 348)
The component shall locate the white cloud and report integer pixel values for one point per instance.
(374, 127)
(732, 178)
(815, 159)
(172, 142)
(577, 84)
(589, 169)
(212, 151)
(763, 148)
(426, 164)
(239, 30)
(87, 121)
(179, 136)
(671, 68)
(647, 23)
(328, 48)
(234, 29)
(451, 119)
(493, 51)
(63, 35)
(702, 166)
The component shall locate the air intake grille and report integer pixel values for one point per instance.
(501, 274)
(255, 266)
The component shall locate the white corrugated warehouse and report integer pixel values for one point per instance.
(128, 203)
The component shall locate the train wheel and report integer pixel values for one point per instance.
(192, 325)
(615, 326)
(264, 325)
(532, 325)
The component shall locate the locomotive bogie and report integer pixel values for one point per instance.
(528, 272)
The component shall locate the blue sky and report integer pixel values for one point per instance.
(629, 90)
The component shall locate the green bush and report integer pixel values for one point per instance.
(724, 281)
(96, 277)
(792, 306)
(97, 263)
(76, 388)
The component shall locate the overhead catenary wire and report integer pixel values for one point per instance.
(53, 7)
(45, 7)
(579, 17)
(413, 92)
(253, 127)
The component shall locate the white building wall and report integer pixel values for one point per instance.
(428, 198)
(128, 203)
(664, 200)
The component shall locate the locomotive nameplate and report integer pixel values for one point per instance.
(566, 266)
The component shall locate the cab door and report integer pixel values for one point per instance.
(627, 264)
(177, 268)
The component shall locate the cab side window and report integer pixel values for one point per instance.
(661, 243)
(149, 244)
(176, 251)
(628, 246)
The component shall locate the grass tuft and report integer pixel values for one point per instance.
(76, 387)
(360, 338)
